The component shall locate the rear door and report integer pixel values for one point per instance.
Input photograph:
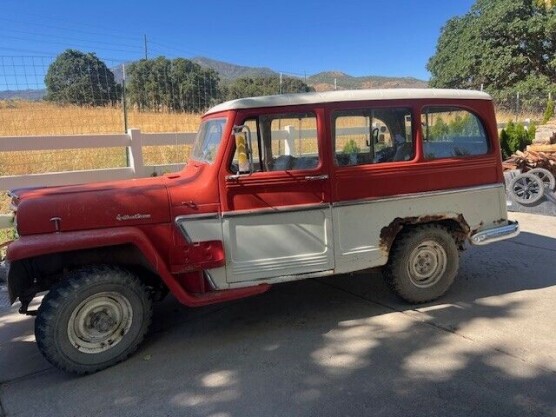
(277, 220)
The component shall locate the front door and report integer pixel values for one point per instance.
(277, 221)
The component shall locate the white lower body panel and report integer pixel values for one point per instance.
(281, 243)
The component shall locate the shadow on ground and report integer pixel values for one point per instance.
(337, 346)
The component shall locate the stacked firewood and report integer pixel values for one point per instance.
(527, 160)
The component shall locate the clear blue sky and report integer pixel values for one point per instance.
(380, 37)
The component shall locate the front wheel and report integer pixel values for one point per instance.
(93, 319)
(423, 264)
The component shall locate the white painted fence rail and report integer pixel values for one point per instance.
(134, 140)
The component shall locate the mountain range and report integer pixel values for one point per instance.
(323, 81)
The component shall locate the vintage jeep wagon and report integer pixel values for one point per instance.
(277, 189)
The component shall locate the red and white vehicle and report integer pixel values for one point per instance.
(277, 189)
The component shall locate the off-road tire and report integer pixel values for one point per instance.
(112, 298)
(423, 263)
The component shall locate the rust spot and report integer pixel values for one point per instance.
(388, 233)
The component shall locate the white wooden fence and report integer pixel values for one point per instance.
(133, 140)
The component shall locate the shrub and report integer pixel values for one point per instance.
(549, 111)
(515, 138)
(351, 147)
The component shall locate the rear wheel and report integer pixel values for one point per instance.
(94, 319)
(423, 263)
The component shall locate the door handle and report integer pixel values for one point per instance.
(316, 177)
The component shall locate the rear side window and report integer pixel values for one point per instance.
(372, 135)
(452, 132)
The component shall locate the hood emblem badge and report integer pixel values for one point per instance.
(126, 217)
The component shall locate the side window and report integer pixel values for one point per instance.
(282, 142)
(290, 141)
(369, 136)
(450, 132)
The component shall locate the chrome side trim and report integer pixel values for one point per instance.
(204, 216)
(180, 220)
(275, 210)
(283, 278)
(495, 234)
(416, 195)
(210, 279)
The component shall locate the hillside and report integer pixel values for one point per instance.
(229, 72)
(22, 94)
(322, 81)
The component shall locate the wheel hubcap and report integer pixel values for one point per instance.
(100, 322)
(526, 189)
(427, 264)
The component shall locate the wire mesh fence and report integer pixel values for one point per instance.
(77, 93)
(521, 106)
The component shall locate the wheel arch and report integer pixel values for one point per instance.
(454, 223)
(38, 262)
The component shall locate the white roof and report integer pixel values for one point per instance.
(347, 95)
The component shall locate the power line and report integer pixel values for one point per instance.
(104, 31)
(42, 35)
(50, 42)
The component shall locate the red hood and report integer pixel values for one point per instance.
(91, 206)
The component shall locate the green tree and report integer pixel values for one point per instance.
(497, 44)
(262, 86)
(439, 130)
(171, 85)
(80, 78)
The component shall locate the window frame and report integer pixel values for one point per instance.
(367, 111)
(423, 127)
(261, 141)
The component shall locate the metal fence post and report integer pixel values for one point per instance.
(124, 102)
(135, 153)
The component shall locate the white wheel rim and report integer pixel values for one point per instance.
(100, 322)
(427, 264)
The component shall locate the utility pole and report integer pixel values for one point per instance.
(146, 55)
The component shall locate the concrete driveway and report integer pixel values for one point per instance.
(341, 346)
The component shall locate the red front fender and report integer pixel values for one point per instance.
(36, 245)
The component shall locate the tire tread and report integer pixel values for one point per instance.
(64, 291)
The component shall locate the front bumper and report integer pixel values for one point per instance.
(495, 234)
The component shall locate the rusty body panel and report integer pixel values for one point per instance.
(389, 233)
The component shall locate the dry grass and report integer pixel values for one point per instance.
(26, 118)
(505, 117)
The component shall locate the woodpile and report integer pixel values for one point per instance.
(529, 159)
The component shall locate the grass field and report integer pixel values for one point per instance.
(25, 118)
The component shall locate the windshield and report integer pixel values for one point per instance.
(208, 140)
